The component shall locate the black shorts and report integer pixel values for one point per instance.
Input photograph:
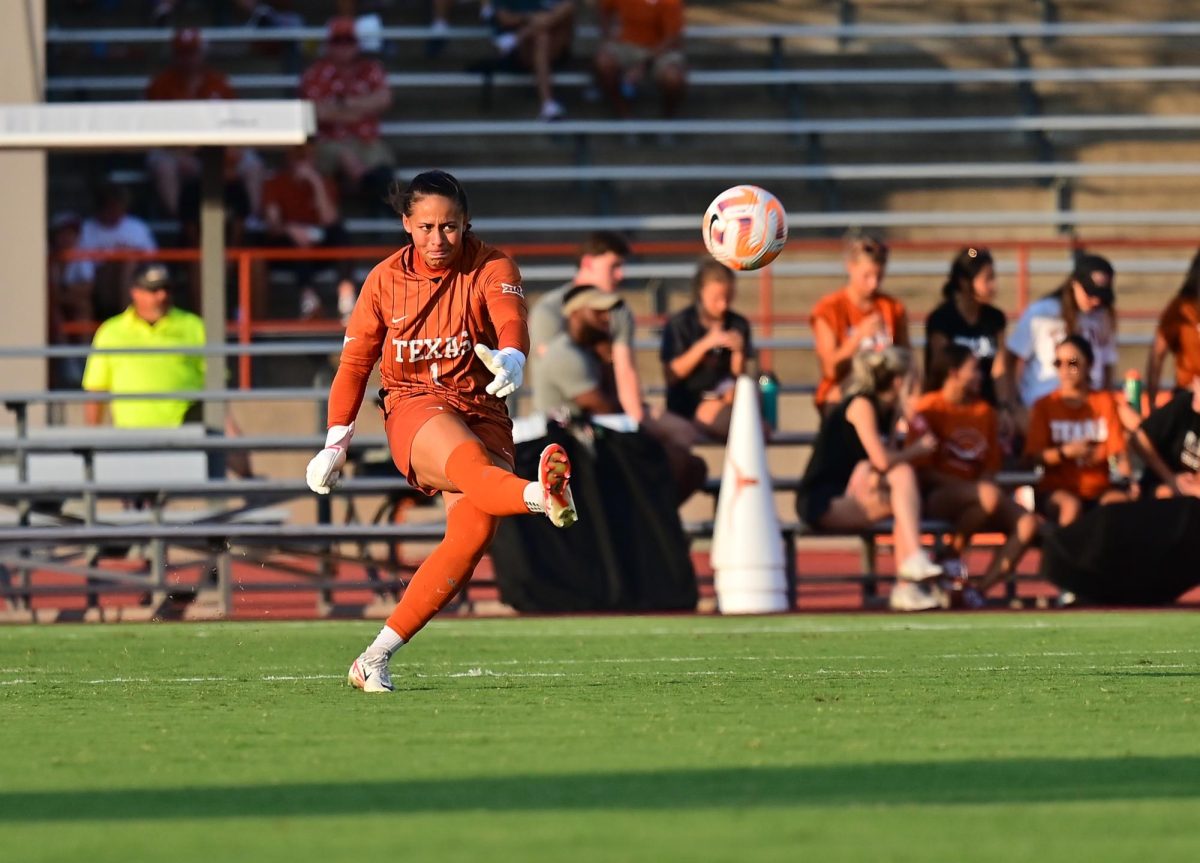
(812, 503)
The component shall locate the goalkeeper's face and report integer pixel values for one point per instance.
(436, 226)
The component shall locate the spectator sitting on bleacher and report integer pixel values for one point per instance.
(1178, 333)
(1082, 305)
(439, 23)
(858, 317)
(70, 284)
(351, 93)
(601, 265)
(1073, 432)
(967, 317)
(641, 38)
(175, 169)
(151, 321)
(575, 376)
(957, 479)
(536, 35)
(112, 229)
(704, 349)
(857, 475)
(300, 211)
(1169, 442)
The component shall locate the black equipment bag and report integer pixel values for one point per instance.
(1141, 553)
(628, 551)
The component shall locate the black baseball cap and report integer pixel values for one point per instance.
(1095, 275)
(152, 277)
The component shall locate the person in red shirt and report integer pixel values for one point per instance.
(350, 93)
(445, 319)
(1073, 432)
(300, 211)
(641, 38)
(857, 317)
(176, 171)
(957, 479)
(1178, 334)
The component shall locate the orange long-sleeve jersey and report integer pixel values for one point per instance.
(422, 327)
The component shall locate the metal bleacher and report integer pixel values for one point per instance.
(776, 139)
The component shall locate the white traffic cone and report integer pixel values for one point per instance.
(747, 549)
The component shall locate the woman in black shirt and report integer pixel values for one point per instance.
(967, 317)
(857, 475)
(1169, 442)
(704, 349)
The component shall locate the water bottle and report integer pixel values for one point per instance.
(768, 390)
(1133, 390)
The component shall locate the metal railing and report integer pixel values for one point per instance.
(1015, 259)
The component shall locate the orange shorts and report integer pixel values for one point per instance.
(402, 423)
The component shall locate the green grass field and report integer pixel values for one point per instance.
(1069, 736)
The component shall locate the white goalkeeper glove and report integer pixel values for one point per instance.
(507, 364)
(325, 469)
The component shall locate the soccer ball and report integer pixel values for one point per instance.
(745, 228)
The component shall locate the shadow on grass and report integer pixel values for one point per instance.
(961, 782)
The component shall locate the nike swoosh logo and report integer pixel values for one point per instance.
(399, 319)
(347, 340)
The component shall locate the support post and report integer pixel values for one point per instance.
(212, 290)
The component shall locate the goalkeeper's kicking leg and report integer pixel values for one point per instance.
(479, 488)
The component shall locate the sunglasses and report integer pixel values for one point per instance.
(1073, 363)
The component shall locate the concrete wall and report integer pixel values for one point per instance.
(23, 204)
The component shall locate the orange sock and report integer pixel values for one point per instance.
(492, 489)
(446, 570)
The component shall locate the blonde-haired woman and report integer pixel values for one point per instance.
(858, 475)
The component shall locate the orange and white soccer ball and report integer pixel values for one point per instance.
(745, 228)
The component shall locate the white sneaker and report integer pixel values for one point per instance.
(551, 111)
(554, 476)
(915, 596)
(370, 673)
(918, 567)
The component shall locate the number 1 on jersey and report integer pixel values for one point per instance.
(433, 373)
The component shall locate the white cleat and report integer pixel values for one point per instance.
(554, 476)
(370, 673)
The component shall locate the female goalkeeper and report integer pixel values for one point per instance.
(445, 317)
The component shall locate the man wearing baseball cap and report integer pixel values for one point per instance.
(575, 376)
(151, 321)
(350, 93)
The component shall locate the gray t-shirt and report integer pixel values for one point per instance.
(546, 321)
(564, 372)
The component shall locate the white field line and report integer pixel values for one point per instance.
(474, 667)
(480, 671)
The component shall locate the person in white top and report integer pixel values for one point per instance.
(1082, 305)
(112, 229)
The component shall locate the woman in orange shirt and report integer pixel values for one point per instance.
(957, 479)
(430, 315)
(1178, 333)
(1073, 432)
